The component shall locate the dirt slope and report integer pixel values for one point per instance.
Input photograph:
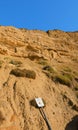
(35, 63)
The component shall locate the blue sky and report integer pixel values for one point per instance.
(40, 14)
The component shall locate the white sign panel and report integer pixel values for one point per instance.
(39, 102)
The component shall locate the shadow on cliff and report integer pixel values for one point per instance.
(73, 125)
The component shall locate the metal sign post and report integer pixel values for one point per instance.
(40, 105)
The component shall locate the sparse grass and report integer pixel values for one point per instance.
(67, 69)
(49, 69)
(65, 76)
(68, 75)
(23, 73)
(49, 75)
(6, 58)
(15, 62)
(63, 79)
(75, 73)
(73, 76)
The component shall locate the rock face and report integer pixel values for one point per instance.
(34, 64)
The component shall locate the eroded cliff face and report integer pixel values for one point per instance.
(34, 64)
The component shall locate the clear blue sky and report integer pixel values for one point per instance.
(40, 14)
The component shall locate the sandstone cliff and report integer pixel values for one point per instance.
(35, 63)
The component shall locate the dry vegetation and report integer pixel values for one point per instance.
(23, 73)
